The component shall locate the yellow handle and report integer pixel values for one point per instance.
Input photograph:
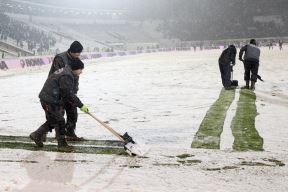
(107, 127)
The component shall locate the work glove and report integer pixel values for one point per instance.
(84, 108)
(241, 59)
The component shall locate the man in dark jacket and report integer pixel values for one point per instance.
(58, 90)
(60, 61)
(251, 63)
(227, 58)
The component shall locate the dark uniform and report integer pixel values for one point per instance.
(57, 90)
(281, 45)
(60, 61)
(251, 63)
(227, 57)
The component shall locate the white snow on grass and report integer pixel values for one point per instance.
(227, 137)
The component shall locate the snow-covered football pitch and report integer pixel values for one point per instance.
(167, 101)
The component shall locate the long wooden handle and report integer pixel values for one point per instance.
(106, 126)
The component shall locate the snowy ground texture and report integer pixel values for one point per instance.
(160, 99)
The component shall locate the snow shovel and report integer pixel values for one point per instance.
(130, 146)
(233, 82)
(260, 78)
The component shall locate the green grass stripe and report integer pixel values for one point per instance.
(246, 136)
(112, 143)
(53, 148)
(209, 132)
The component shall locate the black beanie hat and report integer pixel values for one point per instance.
(232, 48)
(76, 64)
(76, 47)
(253, 41)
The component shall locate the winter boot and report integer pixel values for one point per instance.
(71, 136)
(37, 135)
(44, 137)
(246, 86)
(252, 85)
(63, 146)
(229, 88)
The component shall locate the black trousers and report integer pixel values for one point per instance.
(251, 70)
(225, 70)
(54, 118)
(72, 117)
